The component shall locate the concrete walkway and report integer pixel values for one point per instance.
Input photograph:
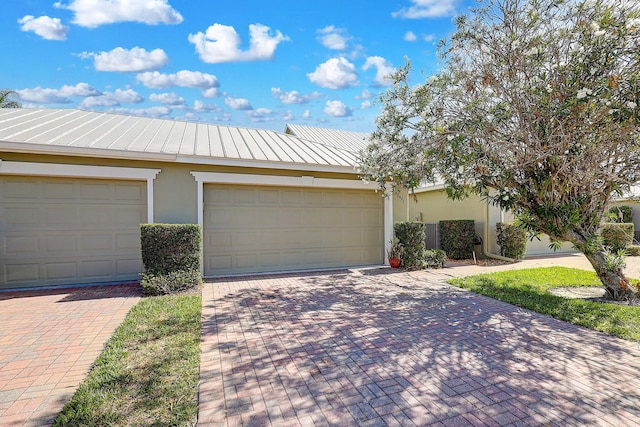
(377, 347)
(48, 341)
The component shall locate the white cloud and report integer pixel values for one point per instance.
(93, 13)
(337, 109)
(287, 116)
(41, 95)
(365, 94)
(260, 115)
(124, 60)
(220, 44)
(383, 67)
(365, 104)
(306, 114)
(293, 97)
(410, 36)
(80, 89)
(169, 98)
(225, 117)
(44, 26)
(111, 99)
(189, 117)
(183, 78)
(429, 37)
(201, 107)
(238, 103)
(158, 111)
(212, 92)
(427, 9)
(333, 38)
(336, 73)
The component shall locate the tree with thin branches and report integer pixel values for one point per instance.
(535, 108)
(6, 100)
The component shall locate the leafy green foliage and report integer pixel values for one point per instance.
(617, 236)
(170, 283)
(170, 247)
(457, 238)
(6, 99)
(411, 235)
(529, 288)
(535, 108)
(622, 213)
(512, 240)
(434, 258)
(171, 257)
(633, 250)
(396, 250)
(148, 372)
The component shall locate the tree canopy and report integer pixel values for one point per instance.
(6, 100)
(535, 107)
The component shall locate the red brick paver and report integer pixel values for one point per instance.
(48, 341)
(380, 347)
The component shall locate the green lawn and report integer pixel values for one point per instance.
(529, 289)
(148, 372)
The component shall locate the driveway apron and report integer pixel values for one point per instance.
(48, 341)
(376, 347)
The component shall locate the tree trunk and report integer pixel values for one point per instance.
(616, 284)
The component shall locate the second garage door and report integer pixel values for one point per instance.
(262, 229)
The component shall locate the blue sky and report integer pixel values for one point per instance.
(257, 64)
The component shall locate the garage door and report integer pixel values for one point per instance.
(262, 229)
(58, 231)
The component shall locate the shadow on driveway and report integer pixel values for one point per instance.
(381, 347)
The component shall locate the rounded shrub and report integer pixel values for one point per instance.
(512, 240)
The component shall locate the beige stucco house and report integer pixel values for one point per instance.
(75, 186)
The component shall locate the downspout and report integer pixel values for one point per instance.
(485, 248)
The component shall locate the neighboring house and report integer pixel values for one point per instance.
(75, 185)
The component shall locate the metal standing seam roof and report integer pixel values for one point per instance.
(101, 134)
(347, 140)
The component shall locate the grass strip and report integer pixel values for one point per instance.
(148, 372)
(529, 288)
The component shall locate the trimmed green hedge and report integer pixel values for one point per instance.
(512, 240)
(171, 257)
(411, 235)
(617, 235)
(457, 238)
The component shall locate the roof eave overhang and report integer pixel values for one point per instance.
(61, 150)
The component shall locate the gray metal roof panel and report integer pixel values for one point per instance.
(97, 132)
(347, 140)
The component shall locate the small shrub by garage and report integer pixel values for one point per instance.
(411, 235)
(512, 240)
(617, 235)
(171, 257)
(457, 238)
(435, 258)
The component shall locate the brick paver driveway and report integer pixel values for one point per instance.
(48, 341)
(379, 347)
